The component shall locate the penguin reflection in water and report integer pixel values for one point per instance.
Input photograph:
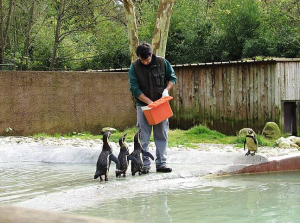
(124, 157)
(251, 142)
(138, 153)
(105, 158)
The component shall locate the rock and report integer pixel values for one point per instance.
(271, 131)
(279, 140)
(295, 140)
(294, 145)
(284, 144)
(106, 129)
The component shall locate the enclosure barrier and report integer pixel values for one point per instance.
(11, 214)
(280, 165)
(223, 96)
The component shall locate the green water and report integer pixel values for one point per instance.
(21, 181)
(248, 198)
(152, 198)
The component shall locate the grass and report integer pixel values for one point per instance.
(197, 134)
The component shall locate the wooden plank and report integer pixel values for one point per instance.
(202, 95)
(233, 107)
(189, 89)
(278, 90)
(221, 106)
(270, 92)
(292, 81)
(297, 81)
(183, 96)
(257, 94)
(238, 92)
(262, 96)
(191, 100)
(245, 92)
(208, 94)
(282, 80)
(275, 93)
(242, 92)
(196, 88)
(287, 86)
(252, 101)
(226, 92)
(213, 95)
(218, 92)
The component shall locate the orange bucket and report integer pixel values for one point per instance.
(158, 111)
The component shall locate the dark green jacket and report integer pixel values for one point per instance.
(150, 79)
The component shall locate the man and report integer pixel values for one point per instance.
(150, 78)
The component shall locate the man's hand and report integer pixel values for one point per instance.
(165, 93)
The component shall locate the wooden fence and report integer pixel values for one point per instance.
(223, 96)
(230, 96)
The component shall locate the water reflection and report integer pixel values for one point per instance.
(251, 198)
(21, 181)
(154, 198)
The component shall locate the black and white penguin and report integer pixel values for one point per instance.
(124, 157)
(138, 154)
(105, 158)
(251, 142)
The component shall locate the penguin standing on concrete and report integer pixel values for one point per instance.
(138, 154)
(251, 142)
(105, 158)
(124, 157)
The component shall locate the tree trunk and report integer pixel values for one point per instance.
(4, 33)
(131, 28)
(60, 15)
(161, 29)
(1, 34)
(27, 37)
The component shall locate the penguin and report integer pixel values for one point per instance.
(105, 158)
(251, 142)
(138, 154)
(124, 157)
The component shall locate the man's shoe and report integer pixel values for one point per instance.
(145, 170)
(164, 169)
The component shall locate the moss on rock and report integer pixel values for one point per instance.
(271, 131)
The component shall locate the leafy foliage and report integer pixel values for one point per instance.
(93, 33)
(177, 137)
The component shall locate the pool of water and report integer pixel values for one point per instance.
(247, 198)
(174, 197)
(21, 181)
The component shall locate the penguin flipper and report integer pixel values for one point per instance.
(255, 140)
(133, 159)
(147, 154)
(97, 174)
(244, 144)
(115, 160)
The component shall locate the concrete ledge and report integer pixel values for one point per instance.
(10, 214)
(279, 165)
